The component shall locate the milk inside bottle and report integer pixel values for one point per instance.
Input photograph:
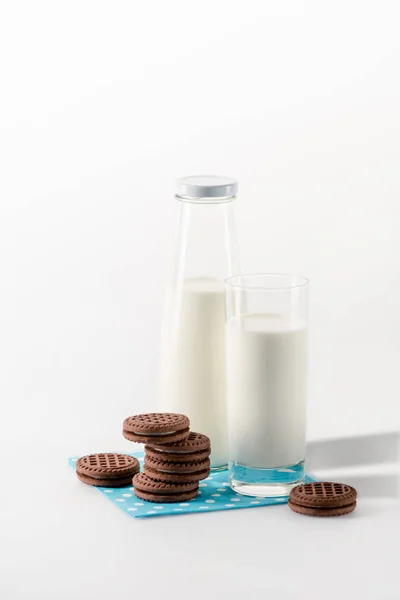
(193, 351)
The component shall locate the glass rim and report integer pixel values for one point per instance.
(293, 282)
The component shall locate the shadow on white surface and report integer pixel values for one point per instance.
(349, 459)
(376, 486)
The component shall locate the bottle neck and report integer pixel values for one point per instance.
(206, 240)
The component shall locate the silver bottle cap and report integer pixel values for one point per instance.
(206, 186)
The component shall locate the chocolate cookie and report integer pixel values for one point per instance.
(115, 482)
(194, 448)
(182, 497)
(322, 512)
(107, 470)
(159, 491)
(175, 467)
(156, 427)
(176, 477)
(323, 499)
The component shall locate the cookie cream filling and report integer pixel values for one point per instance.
(171, 472)
(150, 433)
(173, 451)
(113, 475)
(179, 472)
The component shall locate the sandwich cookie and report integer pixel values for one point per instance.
(164, 428)
(195, 448)
(107, 470)
(176, 472)
(323, 499)
(160, 491)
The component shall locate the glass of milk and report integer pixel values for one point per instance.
(267, 365)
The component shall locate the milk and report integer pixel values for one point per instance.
(193, 369)
(267, 390)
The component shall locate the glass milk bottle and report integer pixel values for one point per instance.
(193, 352)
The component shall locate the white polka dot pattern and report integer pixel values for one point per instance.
(215, 494)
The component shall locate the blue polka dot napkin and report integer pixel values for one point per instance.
(215, 494)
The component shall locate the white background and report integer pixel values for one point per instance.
(102, 106)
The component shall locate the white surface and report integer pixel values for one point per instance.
(193, 363)
(267, 366)
(300, 103)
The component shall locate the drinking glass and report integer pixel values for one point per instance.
(267, 364)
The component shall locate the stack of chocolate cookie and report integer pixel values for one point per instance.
(176, 459)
